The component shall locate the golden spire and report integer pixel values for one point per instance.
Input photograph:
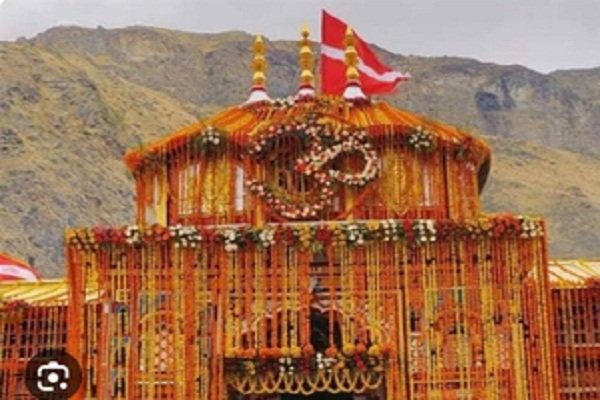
(259, 62)
(259, 76)
(351, 56)
(353, 90)
(307, 60)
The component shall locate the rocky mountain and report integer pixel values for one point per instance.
(73, 99)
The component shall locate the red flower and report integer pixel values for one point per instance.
(361, 348)
(301, 167)
(101, 234)
(323, 235)
(308, 351)
(290, 236)
(209, 234)
(407, 224)
(274, 352)
(359, 362)
(331, 352)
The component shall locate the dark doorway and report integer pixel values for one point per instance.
(319, 331)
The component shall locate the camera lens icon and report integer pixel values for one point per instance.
(53, 377)
(53, 374)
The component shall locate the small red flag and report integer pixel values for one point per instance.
(375, 77)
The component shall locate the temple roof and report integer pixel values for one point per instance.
(241, 123)
(53, 291)
(574, 273)
(43, 292)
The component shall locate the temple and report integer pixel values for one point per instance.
(319, 247)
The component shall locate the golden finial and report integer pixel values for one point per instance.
(259, 62)
(350, 56)
(353, 89)
(259, 76)
(307, 62)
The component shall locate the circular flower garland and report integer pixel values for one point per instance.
(324, 145)
(421, 139)
(318, 157)
(290, 210)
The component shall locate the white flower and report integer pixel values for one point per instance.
(230, 247)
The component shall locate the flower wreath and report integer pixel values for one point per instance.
(324, 144)
(210, 141)
(421, 139)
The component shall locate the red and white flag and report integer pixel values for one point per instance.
(13, 269)
(375, 77)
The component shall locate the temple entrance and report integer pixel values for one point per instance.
(320, 326)
(325, 332)
(320, 396)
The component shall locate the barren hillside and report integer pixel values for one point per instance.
(73, 99)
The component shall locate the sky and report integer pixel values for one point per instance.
(544, 35)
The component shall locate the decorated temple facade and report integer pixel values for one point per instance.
(312, 247)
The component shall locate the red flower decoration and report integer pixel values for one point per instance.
(361, 348)
(308, 351)
(323, 234)
(407, 224)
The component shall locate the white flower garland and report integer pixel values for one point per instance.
(392, 230)
(425, 230)
(232, 238)
(355, 234)
(210, 140)
(186, 236)
(318, 157)
(132, 234)
(421, 139)
(265, 238)
(283, 102)
(530, 228)
(325, 363)
(290, 210)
